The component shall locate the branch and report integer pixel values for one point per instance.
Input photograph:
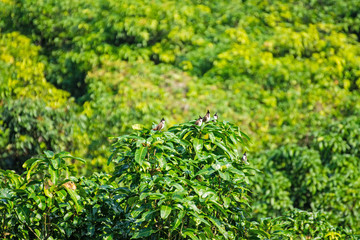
(26, 225)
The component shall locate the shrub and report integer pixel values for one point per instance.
(39, 203)
(29, 127)
(186, 182)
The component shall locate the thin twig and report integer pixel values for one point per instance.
(26, 225)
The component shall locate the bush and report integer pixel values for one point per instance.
(322, 175)
(38, 204)
(28, 127)
(187, 182)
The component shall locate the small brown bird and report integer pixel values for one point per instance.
(206, 118)
(244, 159)
(160, 125)
(215, 117)
(199, 121)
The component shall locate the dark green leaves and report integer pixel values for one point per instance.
(142, 233)
(163, 187)
(178, 220)
(41, 202)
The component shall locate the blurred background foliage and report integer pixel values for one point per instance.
(75, 72)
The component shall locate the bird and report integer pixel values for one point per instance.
(206, 118)
(244, 159)
(199, 121)
(215, 117)
(160, 125)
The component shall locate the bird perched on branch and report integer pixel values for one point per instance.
(244, 159)
(160, 125)
(199, 121)
(206, 118)
(215, 117)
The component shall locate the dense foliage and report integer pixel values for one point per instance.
(188, 182)
(74, 73)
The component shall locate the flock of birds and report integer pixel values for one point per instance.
(205, 119)
(198, 122)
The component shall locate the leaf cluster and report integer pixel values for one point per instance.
(186, 182)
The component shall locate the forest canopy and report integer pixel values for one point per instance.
(75, 75)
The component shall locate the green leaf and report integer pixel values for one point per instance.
(178, 220)
(33, 165)
(208, 147)
(156, 196)
(261, 233)
(224, 175)
(200, 218)
(171, 136)
(24, 214)
(55, 163)
(5, 193)
(68, 216)
(74, 197)
(90, 230)
(208, 232)
(142, 233)
(190, 233)
(49, 154)
(72, 157)
(225, 149)
(205, 172)
(165, 211)
(236, 171)
(61, 194)
(227, 201)
(37, 231)
(134, 137)
(233, 138)
(193, 206)
(140, 154)
(198, 145)
(212, 137)
(140, 143)
(135, 213)
(29, 162)
(41, 202)
(217, 223)
(54, 175)
(185, 143)
(146, 216)
(110, 158)
(246, 136)
(187, 134)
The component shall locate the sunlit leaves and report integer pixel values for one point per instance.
(182, 178)
(288, 72)
(165, 211)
